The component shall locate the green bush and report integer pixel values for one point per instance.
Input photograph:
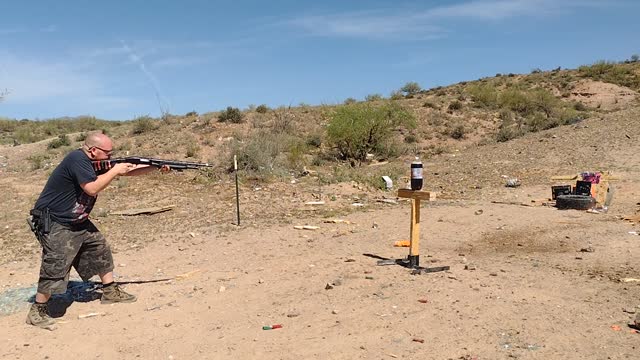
(485, 95)
(262, 109)
(458, 132)
(265, 153)
(193, 149)
(37, 161)
(506, 133)
(143, 124)
(516, 101)
(232, 115)
(396, 95)
(544, 101)
(62, 140)
(358, 129)
(81, 136)
(314, 140)
(411, 88)
(373, 97)
(410, 139)
(455, 105)
(350, 100)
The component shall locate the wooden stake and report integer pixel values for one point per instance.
(235, 170)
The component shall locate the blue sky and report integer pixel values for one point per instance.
(118, 60)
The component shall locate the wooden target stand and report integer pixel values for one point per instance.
(413, 260)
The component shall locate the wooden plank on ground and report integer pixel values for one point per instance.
(144, 211)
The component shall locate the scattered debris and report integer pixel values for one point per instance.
(272, 327)
(388, 201)
(588, 249)
(306, 227)
(328, 286)
(186, 275)
(338, 221)
(402, 243)
(388, 183)
(92, 314)
(170, 303)
(513, 182)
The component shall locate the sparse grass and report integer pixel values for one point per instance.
(37, 161)
(62, 140)
(27, 131)
(619, 74)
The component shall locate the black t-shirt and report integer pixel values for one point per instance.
(67, 202)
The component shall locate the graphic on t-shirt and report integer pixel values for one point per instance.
(83, 207)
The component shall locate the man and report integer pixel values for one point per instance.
(63, 228)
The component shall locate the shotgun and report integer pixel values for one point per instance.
(102, 166)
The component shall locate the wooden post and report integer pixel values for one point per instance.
(415, 196)
(414, 249)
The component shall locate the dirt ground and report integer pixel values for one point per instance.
(525, 282)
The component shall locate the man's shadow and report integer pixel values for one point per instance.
(81, 291)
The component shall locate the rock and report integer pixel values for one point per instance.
(328, 287)
(470, 267)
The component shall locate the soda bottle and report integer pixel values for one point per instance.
(416, 174)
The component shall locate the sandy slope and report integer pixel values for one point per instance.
(533, 294)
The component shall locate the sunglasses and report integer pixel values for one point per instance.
(106, 152)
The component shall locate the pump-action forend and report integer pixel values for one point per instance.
(102, 166)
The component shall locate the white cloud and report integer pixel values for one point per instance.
(30, 81)
(49, 29)
(367, 25)
(181, 61)
(428, 23)
(10, 31)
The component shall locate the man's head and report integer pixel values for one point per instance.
(98, 146)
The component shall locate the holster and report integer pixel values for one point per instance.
(39, 222)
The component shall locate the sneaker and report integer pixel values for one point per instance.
(115, 294)
(39, 316)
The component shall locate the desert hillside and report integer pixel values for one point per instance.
(526, 280)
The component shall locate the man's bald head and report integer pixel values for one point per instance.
(99, 140)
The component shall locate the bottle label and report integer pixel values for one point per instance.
(416, 173)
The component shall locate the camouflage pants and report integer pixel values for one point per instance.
(81, 246)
